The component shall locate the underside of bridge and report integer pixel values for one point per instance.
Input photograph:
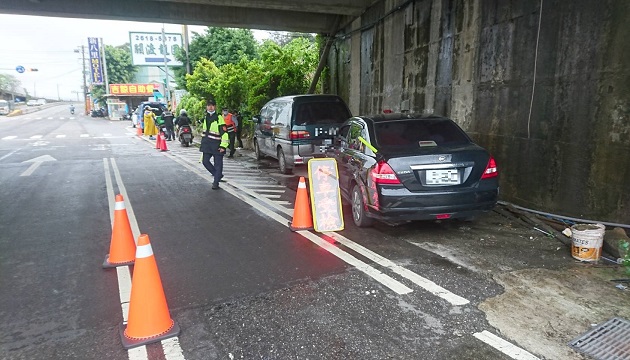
(314, 16)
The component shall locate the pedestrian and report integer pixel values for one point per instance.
(168, 123)
(214, 142)
(239, 127)
(149, 122)
(231, 128)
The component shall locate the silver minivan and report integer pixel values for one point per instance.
(294, 129)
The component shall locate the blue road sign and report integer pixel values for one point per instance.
(20, 69)
(156, 59)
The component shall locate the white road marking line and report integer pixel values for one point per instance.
(505, 347)
(270, 196)
(9, 137)
(85, 135)
(384, 279)
(271, 191)
(107, 134)
(424, 283)
(62, 118)
(60, 136)
(260, 184)
(71, 118)
(39, 118)
(36, 137)
(172, 350)
(50, 118)
(9, 154)
(171, 347)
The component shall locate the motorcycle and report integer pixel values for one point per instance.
(98, 113)
(185, 135)
(71, 111)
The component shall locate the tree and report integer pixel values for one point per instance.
(219, 45)
(120, 69)
(283, 37)
(9, 83)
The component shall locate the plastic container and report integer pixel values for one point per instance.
(588, 240)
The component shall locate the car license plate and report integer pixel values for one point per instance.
(443, 177)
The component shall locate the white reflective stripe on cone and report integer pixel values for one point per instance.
(144, 251)
(302, 185)
(120, 205)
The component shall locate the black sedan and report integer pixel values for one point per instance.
(403, 167)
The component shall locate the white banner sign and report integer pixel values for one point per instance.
(149, 49)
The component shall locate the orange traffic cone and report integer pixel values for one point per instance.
(138, 130)
(302, 219)
(163, 145)
(149, 320)
(122, 249)
(157, 141)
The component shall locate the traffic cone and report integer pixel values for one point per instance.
(122, 248)
(157, 141)
(302, 219)
(163, 146)
(138, 131)
(149, 320)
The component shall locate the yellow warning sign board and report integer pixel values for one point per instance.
(323, 179)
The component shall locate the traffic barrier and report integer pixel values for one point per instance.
(302, 218)
(149, 320)
(122, 248)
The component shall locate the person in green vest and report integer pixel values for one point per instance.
(214, 142)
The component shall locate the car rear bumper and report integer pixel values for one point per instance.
(396, 204)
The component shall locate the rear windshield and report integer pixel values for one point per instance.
(318, 113)
(415, 133)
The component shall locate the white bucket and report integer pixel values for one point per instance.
(588, 240)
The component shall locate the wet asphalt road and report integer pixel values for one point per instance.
(237, 281)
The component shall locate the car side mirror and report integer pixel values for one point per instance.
(256, 119)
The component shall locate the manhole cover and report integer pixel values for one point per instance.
(607, 341)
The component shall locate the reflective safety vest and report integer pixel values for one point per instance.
(231, 126)
(217, 131)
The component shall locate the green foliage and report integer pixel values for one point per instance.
(194, 106)
(120, 69)
(624, 249)
(246, 85)
(221, 46)
(9, 82)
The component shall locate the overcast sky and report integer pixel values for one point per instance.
(48, 44)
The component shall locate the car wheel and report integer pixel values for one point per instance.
(257, 153)
(359, 215)
(282, 161)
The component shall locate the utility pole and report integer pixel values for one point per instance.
(105, 73)
(186, 45)
(166, 92)
(85, 104)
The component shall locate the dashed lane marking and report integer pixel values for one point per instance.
(9, 137)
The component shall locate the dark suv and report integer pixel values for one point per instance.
(294, 129)
(157, 107)
(403, 167)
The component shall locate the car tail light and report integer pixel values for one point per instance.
(382, 173)
(491, 169)
(442, 216)
(299, 134)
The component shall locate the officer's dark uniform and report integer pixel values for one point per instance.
(214, 137)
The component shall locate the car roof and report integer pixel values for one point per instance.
(306, 97)
(400, 116)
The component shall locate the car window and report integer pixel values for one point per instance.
(409, 133)
(322, 112)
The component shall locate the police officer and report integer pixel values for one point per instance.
(214, 142)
